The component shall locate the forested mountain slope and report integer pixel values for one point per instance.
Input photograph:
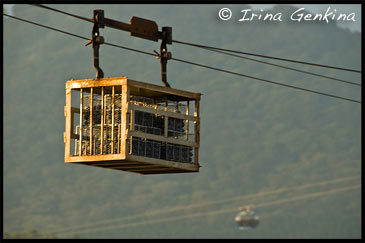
(255, 137)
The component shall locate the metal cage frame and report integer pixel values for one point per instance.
(124, 159)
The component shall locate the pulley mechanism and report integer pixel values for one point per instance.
(138, 27)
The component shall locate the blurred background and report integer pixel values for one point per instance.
(294, 155)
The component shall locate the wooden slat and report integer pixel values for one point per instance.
(132, 106)
(118, 81)
(167, 163)
(115, 163)
(125, 100)
(167, 90)
(197, 133)
(113, 104)
(102, 117)
(67, 134)
(91, 120)
(162, 138)
(81, 118)
(88, 83)
(164, 172)
(187, 120)
(139, 167)
(89, 158)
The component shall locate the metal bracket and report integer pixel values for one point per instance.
(138, 27)
(164, 54)
(97, 40)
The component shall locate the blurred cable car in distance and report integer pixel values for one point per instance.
(247, 218)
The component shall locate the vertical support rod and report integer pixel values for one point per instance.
(91, 120)
(125, 100)
(118, 148)
(97, 40)
(99, 71)
(113, 103)
(81, 119)
(102, 121)
(197, 133)
(69, 123)
(187, 121)
(121, 132)
(132, 115)
(166, 125)
(132, 118)
(164, 54)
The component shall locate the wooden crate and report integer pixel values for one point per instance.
(114, 122)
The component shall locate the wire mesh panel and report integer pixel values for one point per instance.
(146, 148)
(160, 150)
(176, 127)
(149, 123)
(101, 122)
(177, 107)
(162, 125)
(179, 153)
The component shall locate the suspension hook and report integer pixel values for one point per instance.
(164, 54)
(97, 40)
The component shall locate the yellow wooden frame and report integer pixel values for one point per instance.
(124, 160)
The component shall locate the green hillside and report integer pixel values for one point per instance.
(258, 139)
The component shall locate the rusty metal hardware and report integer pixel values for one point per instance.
(97, 40)
(144, 28)
(164, 55)
(148, 29)
(138, 27)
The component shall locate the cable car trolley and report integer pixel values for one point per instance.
(247, 218)
(128, 125)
